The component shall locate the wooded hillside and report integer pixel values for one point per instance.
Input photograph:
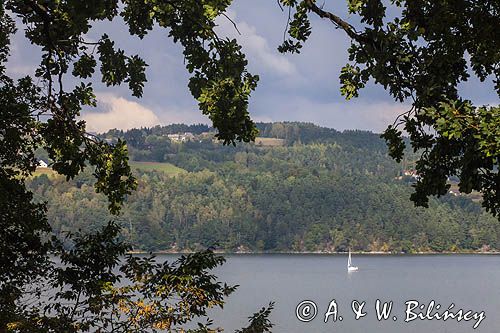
(323, 190)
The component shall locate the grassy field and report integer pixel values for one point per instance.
(269, 142)
(44, 171)
(168, 168)
(157, 166)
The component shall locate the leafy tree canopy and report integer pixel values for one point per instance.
(422, 55)
(83, 291)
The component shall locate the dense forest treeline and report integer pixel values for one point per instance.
(317, 190)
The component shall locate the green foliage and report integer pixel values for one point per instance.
(220, 81)
(323, 191)
(259, 322)
(299, 28)
(23, 257)
(117, 68)
(87, 290)
(352, 81)
(421, 55)
(111, 164)
(59, 281)
(167, 168)
(470, 139)
(395, 141)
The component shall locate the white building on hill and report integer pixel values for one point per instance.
(181, 137)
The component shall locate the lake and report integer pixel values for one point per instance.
(470, 282)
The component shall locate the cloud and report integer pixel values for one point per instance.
(175, 115)
(301, 87)
(119, 113)
(341, 115)
(20, 70)
(23, 56)
(255, 46)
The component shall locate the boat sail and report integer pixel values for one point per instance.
(350, 267)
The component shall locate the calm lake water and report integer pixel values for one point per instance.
(471, 282)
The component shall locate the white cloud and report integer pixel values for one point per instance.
(255, 46)
(119, 113)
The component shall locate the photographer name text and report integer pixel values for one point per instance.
(307, 311)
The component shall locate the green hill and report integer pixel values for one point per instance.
(323, 190)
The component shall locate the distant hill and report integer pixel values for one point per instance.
(312, 189)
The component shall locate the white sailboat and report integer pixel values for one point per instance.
(350, 267)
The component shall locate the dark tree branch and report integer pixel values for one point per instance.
(337, 21)
(234, 23)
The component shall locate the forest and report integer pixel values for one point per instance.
(301, 188)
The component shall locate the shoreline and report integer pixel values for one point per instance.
(320, 253)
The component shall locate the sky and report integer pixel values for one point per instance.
(302, 87)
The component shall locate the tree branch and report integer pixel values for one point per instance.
(234, 23)
(339, 23)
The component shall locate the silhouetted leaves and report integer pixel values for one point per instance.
(421, 55)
